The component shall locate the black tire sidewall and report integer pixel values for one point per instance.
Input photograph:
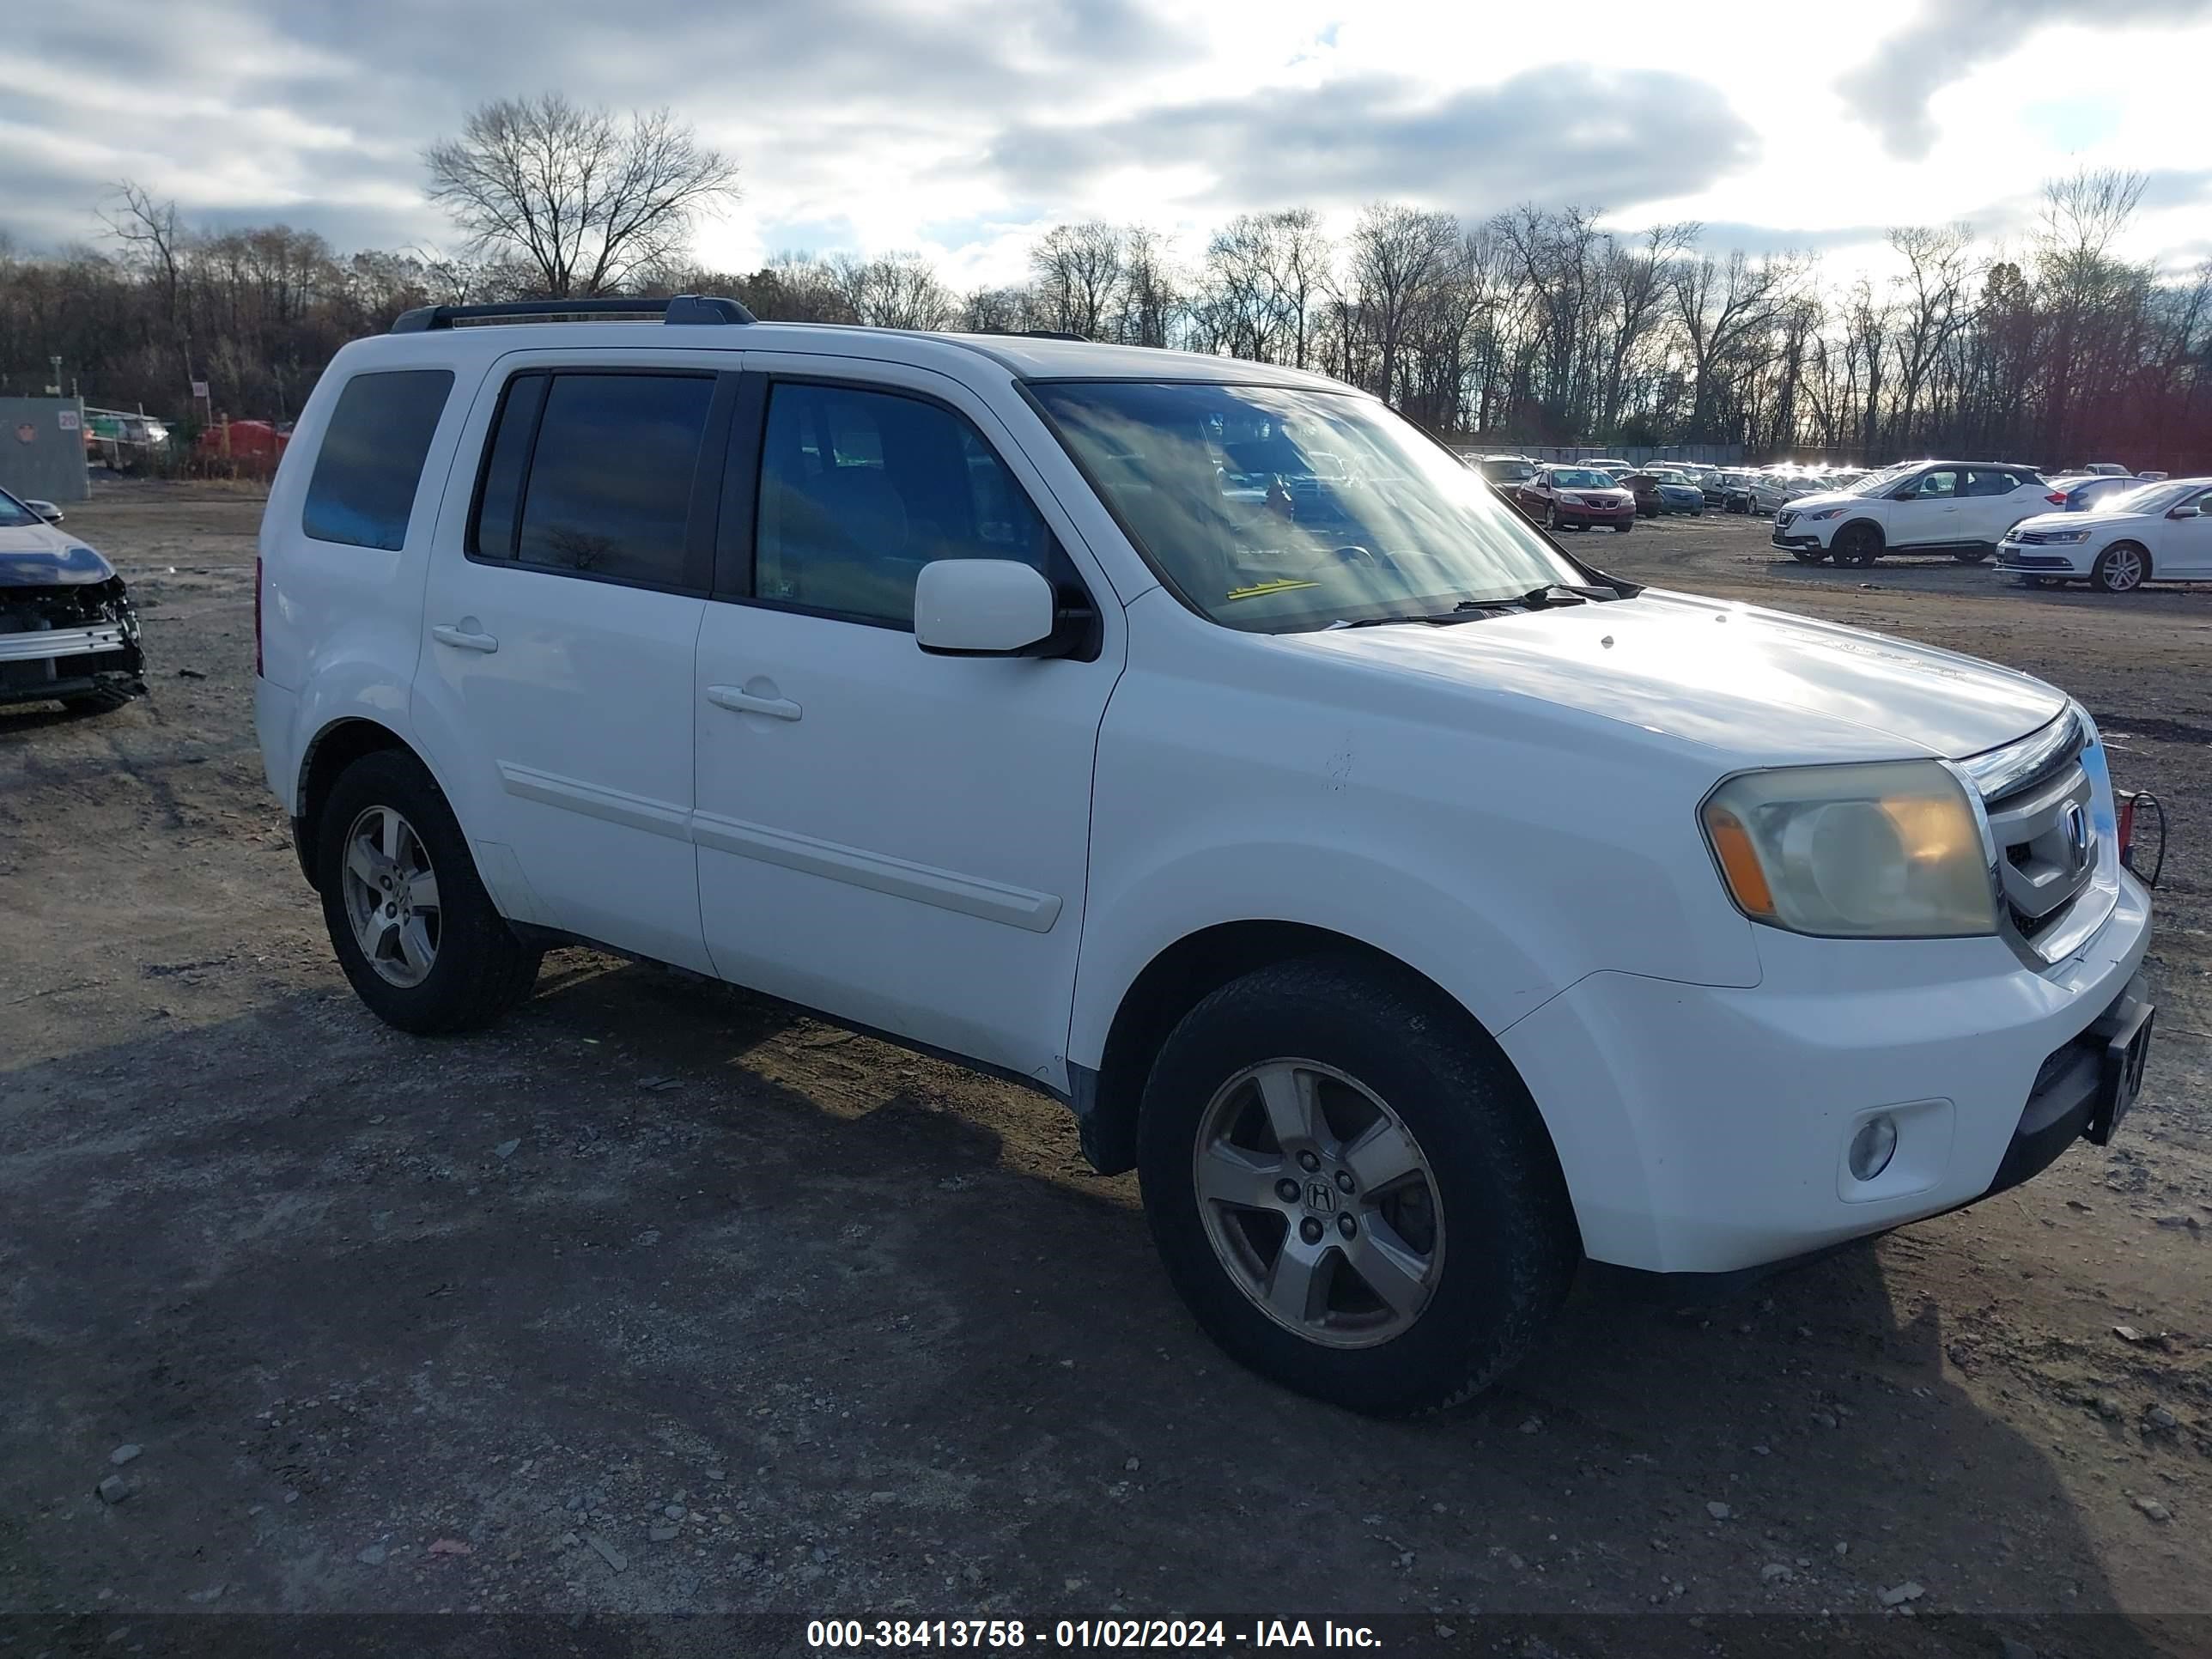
(475, 947)
(1509, 1243)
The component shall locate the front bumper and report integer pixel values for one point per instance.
(39, 665)
(2038, 561)
(1705, 1129)
(1794, 540)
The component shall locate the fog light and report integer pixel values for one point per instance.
(1872, 1147)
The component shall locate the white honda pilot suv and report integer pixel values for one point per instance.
(1964, 508)
(1418, 910)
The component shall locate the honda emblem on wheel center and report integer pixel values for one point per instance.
(1319, 1197)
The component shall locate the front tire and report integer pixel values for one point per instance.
(1971, 555)
(2121, 568)
(1857, 545)
(1624, 526)
(418, 937)
(1351, 1188)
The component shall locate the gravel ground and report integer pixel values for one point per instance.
(662, 1299)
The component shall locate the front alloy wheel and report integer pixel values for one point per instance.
(1318, 1203)
(391, 895)
(2120, 569)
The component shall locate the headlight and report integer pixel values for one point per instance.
(1882, 850)
(2060, 537)
(1570, 500)
(1825, 512)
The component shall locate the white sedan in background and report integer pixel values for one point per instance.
(2157, 532)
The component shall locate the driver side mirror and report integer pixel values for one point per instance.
(2186, 512)
(983, 608)
(45, 510)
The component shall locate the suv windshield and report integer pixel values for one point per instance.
(1274, 509)
(14, 515)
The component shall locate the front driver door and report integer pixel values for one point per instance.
(2185, 550)
(1925, 513)
(898, 839)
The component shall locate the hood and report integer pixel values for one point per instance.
(2086, 518)
(40, 555)
(1821, 498)
(1760, 685)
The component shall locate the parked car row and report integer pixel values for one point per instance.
(2045, 531)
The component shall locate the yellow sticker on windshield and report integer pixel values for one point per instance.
(1281, 585)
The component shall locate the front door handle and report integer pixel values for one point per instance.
(748, 702)
(464, 635)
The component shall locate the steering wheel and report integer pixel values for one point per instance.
(1355, 553)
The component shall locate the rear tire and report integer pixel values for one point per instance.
(2121, 568)
(458, 972)
(1857, 545)
(1425, 1164)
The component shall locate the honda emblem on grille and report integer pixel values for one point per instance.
(2077, 834)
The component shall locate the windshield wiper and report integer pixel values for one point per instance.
(1563, 593)
(1536, 599)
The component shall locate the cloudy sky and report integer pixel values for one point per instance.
(956, 127)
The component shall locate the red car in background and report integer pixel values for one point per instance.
(1576, 498)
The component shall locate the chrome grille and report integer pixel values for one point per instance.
(2042, 818)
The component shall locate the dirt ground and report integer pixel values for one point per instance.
(659, 1299)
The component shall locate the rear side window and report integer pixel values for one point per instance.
(592, 474)
(371, 461)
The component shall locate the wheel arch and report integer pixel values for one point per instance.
(1183, 974)
(1874, 525)
(337, 745)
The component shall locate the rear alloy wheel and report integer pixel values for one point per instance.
(2121, 568)
(419, 938)
(1350, 1188)
(1858, 545)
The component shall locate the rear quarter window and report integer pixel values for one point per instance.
(370, 464)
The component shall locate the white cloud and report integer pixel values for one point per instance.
(953, 127)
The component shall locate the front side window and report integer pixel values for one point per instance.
(592, 473)
(370, 465)
(1942, 484)
(1362, 517)
(858, 489)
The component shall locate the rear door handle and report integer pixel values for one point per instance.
(747, 703)
(465, 635)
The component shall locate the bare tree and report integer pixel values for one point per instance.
(1079, 271)
(584, 200)
(897, 290)
(1932, 300)
(1396, 252)
(1723, 306)
(153, 240)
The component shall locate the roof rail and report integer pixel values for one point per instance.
(676, 308)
